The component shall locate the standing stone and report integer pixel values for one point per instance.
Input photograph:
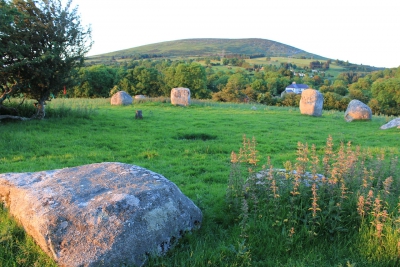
(311, 102)
(391, 124)
(140, 97)
(180, 96)
(104, 214)
(357, 110)
(121, 98)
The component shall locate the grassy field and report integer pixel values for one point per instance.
(334, 69)
(192, 147)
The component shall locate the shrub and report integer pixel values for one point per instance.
(318, 198)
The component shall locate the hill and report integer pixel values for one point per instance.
(252, 47)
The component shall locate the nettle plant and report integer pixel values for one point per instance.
(323, 194)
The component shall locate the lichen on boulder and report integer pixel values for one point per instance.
(104, 214)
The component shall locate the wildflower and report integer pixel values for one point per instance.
(314, 205)
(292, 232)
(234, 157)
(387, 184)
(360, 206)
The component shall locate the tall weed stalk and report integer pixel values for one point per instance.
(356, 194)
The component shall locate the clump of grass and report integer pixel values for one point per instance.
(56, 108)
(160, 99)
(61, 108)
(356, 195)
(17, 247)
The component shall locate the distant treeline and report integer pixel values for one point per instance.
(244, 56)
(141, 56)
(264, 84)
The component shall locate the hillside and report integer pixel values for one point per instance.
(212, 47)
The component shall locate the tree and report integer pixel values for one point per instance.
(259, 85)
(41, 43)
(315, 65)
(332, 101)
(192, 76)
(360, 90)
(273, 85)
(317, 81)
(233, 91)
(325, 66)
(95, 81)
(374, 106)
(290, 100)
(340, 87)
(266, 98)
(387, 93)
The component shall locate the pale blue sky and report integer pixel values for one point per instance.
(363, 32)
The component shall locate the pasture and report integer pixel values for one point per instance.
(191, 146)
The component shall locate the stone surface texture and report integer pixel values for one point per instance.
(104, 214)
(121, 98)
(180, 96)
(357, 110)
(391, 124)
(311, 103)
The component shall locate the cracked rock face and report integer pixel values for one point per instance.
(103, 214)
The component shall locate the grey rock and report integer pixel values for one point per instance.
(311, 103)
(391, 124)
(121, 98)
(357, 110)
(104, 214)
(180, 96)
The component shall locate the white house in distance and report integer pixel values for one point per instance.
(295, 88)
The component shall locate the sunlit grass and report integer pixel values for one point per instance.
(191, 146)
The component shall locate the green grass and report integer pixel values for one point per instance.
(16, 247)
(191, 146)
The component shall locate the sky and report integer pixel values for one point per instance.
(360, 31)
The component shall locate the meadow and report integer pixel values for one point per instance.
(192, 146)
(334, 69)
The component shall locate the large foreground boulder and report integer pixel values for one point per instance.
(357, 110)
(391, 124)
(180, 96)
(121, 98)
(104, 214)
(311, 102)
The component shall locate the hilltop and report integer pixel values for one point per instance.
(252, 47)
